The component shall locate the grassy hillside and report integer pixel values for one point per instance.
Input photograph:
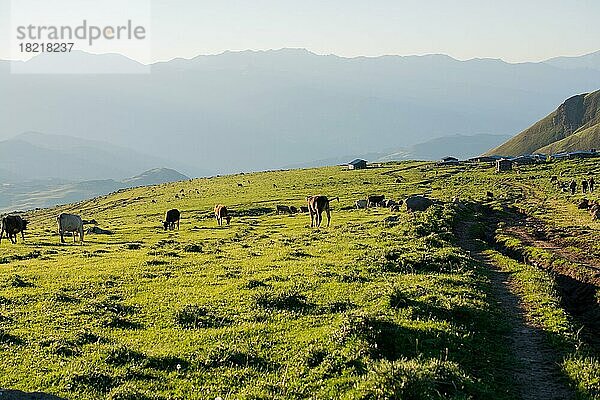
(380, 305)
(573, 126)
(583, 139)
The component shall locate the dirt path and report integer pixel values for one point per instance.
(536, 373)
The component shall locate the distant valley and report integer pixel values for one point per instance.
(41, 170)
(33, 194)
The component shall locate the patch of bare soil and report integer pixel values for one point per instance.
(578, 281)
(590, 266)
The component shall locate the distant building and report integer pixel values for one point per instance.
(448, 160)
(582, 154)
(525, 160)
(559, 156)
(485, 159)
(504, 165)
(357, 164)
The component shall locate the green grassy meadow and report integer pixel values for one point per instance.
(381, 305)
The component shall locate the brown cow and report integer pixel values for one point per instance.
(316, 206)
(221, 214)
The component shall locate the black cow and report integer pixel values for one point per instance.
(172, 218)
(375, 200)
(12, 225)
(281, 209)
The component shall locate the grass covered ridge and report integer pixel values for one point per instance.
(380, 305)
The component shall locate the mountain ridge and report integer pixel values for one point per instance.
(574, 125)
(250, 111)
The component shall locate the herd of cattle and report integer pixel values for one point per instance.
(12, 225)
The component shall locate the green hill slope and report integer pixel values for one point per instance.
(572, 126)
(585, 139)
(381, 304)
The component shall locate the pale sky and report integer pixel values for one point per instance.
(513, 30)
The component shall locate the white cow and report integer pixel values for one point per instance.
(70, 223)
(360, 204)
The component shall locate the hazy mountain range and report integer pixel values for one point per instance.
(32, 194)
(37, 156)
(241, 111)
(574, 125)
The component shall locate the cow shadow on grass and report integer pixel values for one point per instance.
(8, 394)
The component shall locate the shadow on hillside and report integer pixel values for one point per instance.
(18, 395)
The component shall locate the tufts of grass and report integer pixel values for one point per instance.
(194, 317)
(283, 300)
(192, 248)
(130, 391)
(17, 281)
(7, 338)
(415, 379)
(230, 357)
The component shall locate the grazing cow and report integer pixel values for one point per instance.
(294, 209)
(360, 204)
(12, 225)
(595, 211)
(316, 206)
(171, 219)
(222, 214)
(283, 209)
(584, 204)
(70, 223)
(303, 209)
(375, 200)
(591, 184)
(418, 203)
(240, 185)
